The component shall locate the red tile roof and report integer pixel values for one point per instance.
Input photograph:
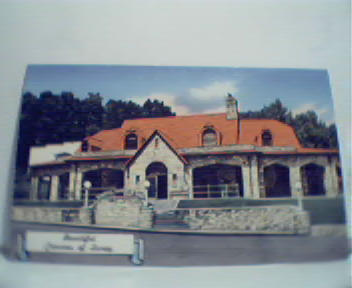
(185, 131)
(283, 134)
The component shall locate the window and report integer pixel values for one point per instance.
(138, 179)
(131, 141)
(209, 137)
(156, 143)
(174, 179)
(267, 138)
(95, 148)
(85, 146)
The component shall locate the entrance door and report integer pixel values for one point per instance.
(156, 174)
(162, 187)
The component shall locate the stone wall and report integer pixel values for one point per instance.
(127, 212)
(52, 215)
(282, 219)
(108, 210)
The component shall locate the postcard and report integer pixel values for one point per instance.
(177, 166)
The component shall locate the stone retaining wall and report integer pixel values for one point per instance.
(52, 215)
(130, 212)
(286, 219)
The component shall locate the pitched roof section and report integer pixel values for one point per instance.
(155, 133)
(185, 131)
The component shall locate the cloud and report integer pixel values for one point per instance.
(168, 99)
(207, 99)
(310, 106)
(322, 112)
(213, 91)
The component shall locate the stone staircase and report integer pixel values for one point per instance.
(166, 216)
(163, 206)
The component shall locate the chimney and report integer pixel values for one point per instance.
(231, 108)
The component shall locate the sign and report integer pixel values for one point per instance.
(79, 243)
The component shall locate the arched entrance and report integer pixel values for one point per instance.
(277, 181)
(313, 179)
(156, 174)
(217, 180)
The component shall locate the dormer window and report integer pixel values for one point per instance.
(84, 146)
(131, 141)
(95, 148)
(267, 138)
(209, 137)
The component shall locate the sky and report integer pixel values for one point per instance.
(190, 90)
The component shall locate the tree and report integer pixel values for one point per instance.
(118, 111)
(310, 130)
(156, 108)
(27, 126)
(314, 133)
(92, 113)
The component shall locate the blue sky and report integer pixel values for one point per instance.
(190, 90)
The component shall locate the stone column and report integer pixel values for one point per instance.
(255, 177)
(247, 191)
(331, 180)
(296, 182)
(78, 185)
(190, 183)
(71, 185)
(54, 188)
(34, 188)
(126, 183)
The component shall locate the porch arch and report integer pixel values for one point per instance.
(44, 187)
(313, 179)
(104, 179)
(277, 181)
(63, 186)
(217, 180)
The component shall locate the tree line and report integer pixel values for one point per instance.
(50, 118)
(311, 131)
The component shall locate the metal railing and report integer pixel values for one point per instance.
(216, 191)
(210, 191)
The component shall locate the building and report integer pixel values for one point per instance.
(192, 157)
(52, 152)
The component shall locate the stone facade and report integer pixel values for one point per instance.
(284, 219)
(153, 154)
(180, 175)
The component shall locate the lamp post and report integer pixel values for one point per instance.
(146, 185)
(87, 185)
